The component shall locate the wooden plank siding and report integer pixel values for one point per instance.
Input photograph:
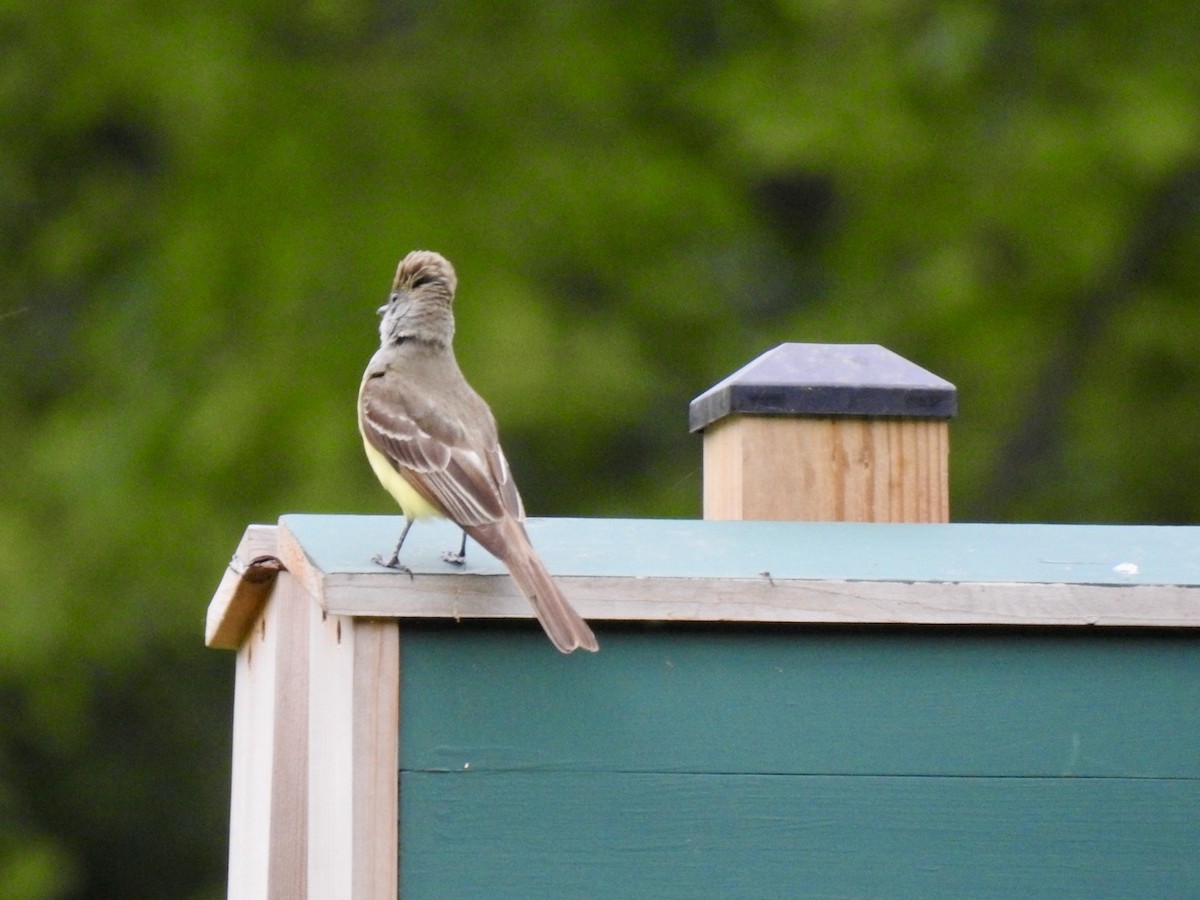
(644, 835)
(800, 762)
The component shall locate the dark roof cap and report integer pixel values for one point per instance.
(827, 380)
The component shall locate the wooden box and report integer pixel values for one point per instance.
(778, 709)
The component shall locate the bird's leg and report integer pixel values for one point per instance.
(457, 559)
(394, 562)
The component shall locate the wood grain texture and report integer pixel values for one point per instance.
(244, 588)
(772, 600)
(838, 469)
(648, 835)
(268, 819)
(353, 753)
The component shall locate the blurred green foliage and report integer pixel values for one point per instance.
(202, 205)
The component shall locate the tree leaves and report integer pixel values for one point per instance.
(204, 207)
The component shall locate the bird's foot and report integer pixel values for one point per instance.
(457, 559)
(393, 563)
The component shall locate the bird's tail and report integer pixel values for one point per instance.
(508, 541)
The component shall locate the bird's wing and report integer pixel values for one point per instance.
(433, 452)
(509, 495)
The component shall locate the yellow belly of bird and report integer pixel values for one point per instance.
(411, 503)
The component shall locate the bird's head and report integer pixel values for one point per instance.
(419, 305)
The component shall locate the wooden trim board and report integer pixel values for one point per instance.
(353, 744)
(268, 830)
(244, 588)
(768, 600)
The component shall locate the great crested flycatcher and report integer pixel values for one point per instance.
(433, 444)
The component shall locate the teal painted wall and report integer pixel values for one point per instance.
(810, 762)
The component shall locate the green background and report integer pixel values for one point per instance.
(201, 206)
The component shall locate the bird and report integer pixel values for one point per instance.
(433, 442)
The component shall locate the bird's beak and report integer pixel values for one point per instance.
(392, 300)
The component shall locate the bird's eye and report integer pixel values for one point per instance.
(423, 280)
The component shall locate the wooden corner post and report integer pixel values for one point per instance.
(827, 432)
(314, 800)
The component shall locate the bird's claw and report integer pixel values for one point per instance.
(455, 559)
(393, 563)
